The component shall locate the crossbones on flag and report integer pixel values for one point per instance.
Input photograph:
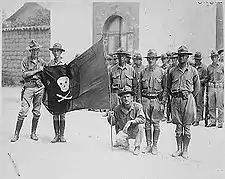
(81, 84)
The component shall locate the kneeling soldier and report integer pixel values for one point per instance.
(129, 118)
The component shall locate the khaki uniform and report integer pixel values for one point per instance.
(138, 70)
(33, 89)
(136, 114)
(153, 97)
(199, 98)
(119, 78)
(215, 78)
(183, 85)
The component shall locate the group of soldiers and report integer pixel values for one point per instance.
(143, 96)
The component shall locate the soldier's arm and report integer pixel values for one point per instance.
(112, 118)
(135, 82)
(169, 82)
(196, 82)
(164, 87)
(25, 71)
(140, 116)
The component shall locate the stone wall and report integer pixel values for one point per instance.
(14, 43)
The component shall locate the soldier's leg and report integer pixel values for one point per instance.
(62, 124)
(139, 139)
(156, 132)
(212, 107)
(148, 131)
(199, 99)
(179, 139)
(24, 108)
(37, 100)
(168, 111)
(186, 140)
(220, 106)
(56, 128)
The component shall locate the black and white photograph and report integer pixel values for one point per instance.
(127, 89)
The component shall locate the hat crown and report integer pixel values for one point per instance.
(198, 54)
(137, 55)
(182, 49)
(57, 46)
(164, 55)
(152, 53)
(120, 50)
(214, 53)
(33, 44)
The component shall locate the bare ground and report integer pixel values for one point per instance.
(87, 154)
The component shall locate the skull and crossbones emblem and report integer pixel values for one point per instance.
(63, 83)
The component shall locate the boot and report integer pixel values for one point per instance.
(56, 128)
(61, 131)
(136, 150)
(179, 147)
(186, 142)
(19, 124)
(33, 129)
(155, 141)
(148, 134)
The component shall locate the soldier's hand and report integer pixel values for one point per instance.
(110, 113)
(127, 126)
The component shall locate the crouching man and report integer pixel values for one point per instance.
(128, 117)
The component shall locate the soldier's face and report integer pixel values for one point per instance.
(137, 61)
(165, 60)
(122, 59)
(183, 58)
(215, 58)
(34, 53)
(57, 53)
(126, 99)
(152, 61)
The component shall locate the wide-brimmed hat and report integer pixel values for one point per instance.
(137, 55)
(152, 53)
(214, 53)
(198, 56)
(126, 90)
(33, 45)
(57, 46)
(121, 51)
(183, 50)
(164, 55)
(220, 51)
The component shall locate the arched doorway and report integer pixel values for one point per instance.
(115, 36)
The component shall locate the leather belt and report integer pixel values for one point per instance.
(150, 96)
(216, 85)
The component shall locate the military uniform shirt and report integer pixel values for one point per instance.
(215, 73)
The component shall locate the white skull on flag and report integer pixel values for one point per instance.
(63, 83)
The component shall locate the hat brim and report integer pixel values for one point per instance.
(57, 49)
(183, 53)
(198, 58)
(33, 48)
(122, 53)
(220, 51)
(126, 92)
(154, 57)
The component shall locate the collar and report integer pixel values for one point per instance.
(122, 68)
(215, 64)
(32, 60)
(151, 68)
(59, 62)
(184, 69)
(125, 111)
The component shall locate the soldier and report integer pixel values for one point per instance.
(129, 118)
(215, 79)
(32, 91)
(165, 66)
(220, 52)
(174, 63)
(183, 85)
(165, 62)
(121, 75)
(138, 67)
(153, 99)
(58, 120)
(199, 98)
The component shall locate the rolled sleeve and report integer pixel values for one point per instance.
(140, 116)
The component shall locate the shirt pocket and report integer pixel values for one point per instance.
(157, 84)
(129, 80)
(116, 80)
(218, 75)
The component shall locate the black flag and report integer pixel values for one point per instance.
(81, 84)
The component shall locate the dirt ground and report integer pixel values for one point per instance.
(88, 154)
